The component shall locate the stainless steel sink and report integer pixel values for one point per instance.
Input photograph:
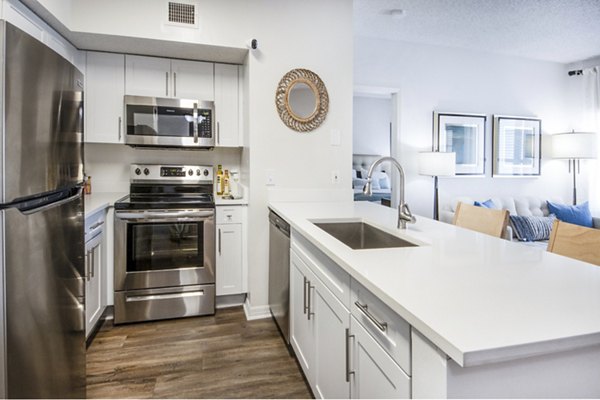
(359, 235)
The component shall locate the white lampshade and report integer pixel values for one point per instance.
(435, 163)
(574, 145)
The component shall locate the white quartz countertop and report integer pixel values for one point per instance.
(97, 201)
(479, 299)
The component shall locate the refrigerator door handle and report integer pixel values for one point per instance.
(55, 204)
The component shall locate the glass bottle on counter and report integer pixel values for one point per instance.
(87, 185)
(219, 181)
(226, 183)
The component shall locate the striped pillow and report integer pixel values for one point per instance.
(531, 228)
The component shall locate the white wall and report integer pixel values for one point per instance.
(312, 34)
(451, 79)
(371, 125)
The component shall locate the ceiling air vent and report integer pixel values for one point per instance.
(182, 14)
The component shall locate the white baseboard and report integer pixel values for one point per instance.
(256, 312)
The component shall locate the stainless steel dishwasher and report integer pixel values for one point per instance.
(279, 273)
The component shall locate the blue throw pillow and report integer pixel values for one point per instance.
(531, 228)
(486, 204)
(578, 215)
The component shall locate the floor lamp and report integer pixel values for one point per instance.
(574, 146)
(435, 163)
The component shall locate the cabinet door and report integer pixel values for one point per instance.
(147, 76)
(376, 375)
(105, 87)
(93, 285)
(193, 80)
(229, 259)
(227, 105)
(331, 320)
(301, 327)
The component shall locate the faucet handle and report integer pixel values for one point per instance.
(405, 214)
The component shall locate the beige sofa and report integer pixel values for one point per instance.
(515, 205)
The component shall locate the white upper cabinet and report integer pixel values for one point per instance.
(105, 87)
(192, 80)
(227, 105)
(148, 76)
(163, 77)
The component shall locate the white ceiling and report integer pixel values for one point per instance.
(563, 31)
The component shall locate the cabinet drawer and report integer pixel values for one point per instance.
(388, 328)
(94, 224)
(333, 277)
(229, 215)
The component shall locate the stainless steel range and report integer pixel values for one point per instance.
(165, 244)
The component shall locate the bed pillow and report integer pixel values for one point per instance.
(578, 215)
(354, 174)
(529, 228)
(486, 204)
(382, 179)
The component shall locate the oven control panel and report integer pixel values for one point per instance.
(178, 173)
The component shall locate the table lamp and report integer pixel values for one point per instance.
(574, 146)
(435, 163)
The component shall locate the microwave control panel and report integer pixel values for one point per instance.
(205, 123)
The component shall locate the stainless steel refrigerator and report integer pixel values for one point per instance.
(41, 221)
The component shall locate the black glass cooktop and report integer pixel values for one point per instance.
(152, 202)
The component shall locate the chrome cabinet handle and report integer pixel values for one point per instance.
(87, 266)
(348, 372)
(120, 120)
(96, 225)
(363, 307)
(93, 261)
(310, 301)
(174, 84)
(166, 83)
(219, 241)
(218, 133)
(304, 299)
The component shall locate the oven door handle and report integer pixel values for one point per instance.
(151, 216)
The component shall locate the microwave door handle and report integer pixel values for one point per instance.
(195, 122)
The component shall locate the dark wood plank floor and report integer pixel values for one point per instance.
(221, 356)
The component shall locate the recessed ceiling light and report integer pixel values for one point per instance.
(397, 13)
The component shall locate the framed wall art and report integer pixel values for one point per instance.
(463, 134)
(517, 146)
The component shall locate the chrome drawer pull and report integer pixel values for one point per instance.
(363, 307)
(348, 372)
(310, 301)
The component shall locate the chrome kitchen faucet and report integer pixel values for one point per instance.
(404, 214)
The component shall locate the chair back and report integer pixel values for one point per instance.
(485, 220)
(575, 241)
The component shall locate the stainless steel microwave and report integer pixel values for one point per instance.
(162, 122)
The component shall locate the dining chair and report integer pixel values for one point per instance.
(484, 220)
(575, 241)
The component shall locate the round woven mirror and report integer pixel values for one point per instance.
(302, 100)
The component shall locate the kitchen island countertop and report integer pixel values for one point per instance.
(478, 298)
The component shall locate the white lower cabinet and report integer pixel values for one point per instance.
(93, 282)
(338, 354)
(374, 375)
(318, 328)
(230, 266)
(302, 327)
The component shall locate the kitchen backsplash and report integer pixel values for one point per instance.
(108, 164)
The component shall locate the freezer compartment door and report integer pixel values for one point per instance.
(45, 293)
(43, 119)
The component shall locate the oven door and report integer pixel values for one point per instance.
(165, 122)
(164, 248)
